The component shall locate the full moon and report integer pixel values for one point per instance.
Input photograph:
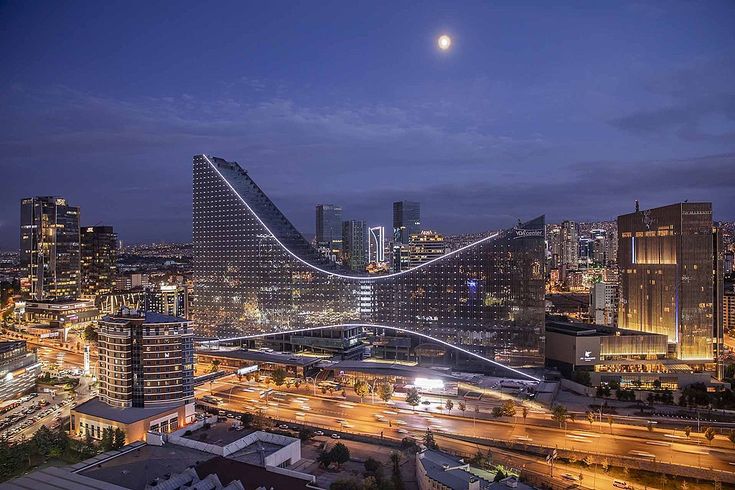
(444, 42)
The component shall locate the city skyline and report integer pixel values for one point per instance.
(501, 126)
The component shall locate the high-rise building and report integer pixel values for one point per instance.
(603, 303)
(376, 245)
(146, 360)
(406, 220)
(568, 245)
(254, 273)
(355, 245)
(425, 246)
(671, 280)
(98, 260)
(329, 228)
(49, 249)
(19, 369)
(167, 299)
(728, 312)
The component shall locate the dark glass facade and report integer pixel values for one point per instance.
(49, 249)
(254, 273)
(98, 260)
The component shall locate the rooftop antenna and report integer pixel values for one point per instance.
(637, 206)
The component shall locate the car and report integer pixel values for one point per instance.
(570, 477)
(335, 436)
(622, 484)
(318, 433)
(402, 431)
(283, 426)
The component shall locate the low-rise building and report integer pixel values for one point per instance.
(265, 362)
(19, 369)
(436, 470)
(60, 312)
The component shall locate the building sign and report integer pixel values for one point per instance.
(523, 233)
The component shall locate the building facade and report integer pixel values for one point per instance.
(604, 303)
(19, 369)
(671, 279)
(167, 299)
(98, 264)
(406, 220)
(424, 247)
(376, 245)
(146, 360)
(49, 249)
(355, 245)
(254, 273)
(329, 228)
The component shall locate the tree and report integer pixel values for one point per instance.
(479, 459)
(497, 412)
(413, 398)
(559, 414)
(246, 419)
(339, 454)
(395, 459)
(362, 389)
(524, 412)
(385, 391)
(509, 408)
(89, 334)
(214, 366)
(462, 407)
(709, 434)
(346, 484)
(687, 431)
(305, 434)
(429, 441)
(118, 439)
(731, 437)
(108, 439)
(373, 467)
(590, 417)
(449, 405)
(610, 422)
(279, 376)
(649, 426)
(325, 459)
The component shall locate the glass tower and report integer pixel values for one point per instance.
(49, 249)
(329, 227)
(98, 260)
(406, 220)
(254, 273)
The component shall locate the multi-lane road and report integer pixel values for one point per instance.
(393, 422)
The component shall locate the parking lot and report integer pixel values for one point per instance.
(32, 411)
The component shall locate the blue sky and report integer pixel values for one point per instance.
(572, 109)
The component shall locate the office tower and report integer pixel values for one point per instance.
(19, 369)
(98, 262)
(553, 244)
(406, 221)
(376, 245)
(167, 299)
(255, 274)
(568, 245)
(728, 311)
(599, 247)
(603, 303)
(586, 252)
(49, 249)
(670, 279)
(424, 247)
(354, 245)
(146, 360)
(329, 228)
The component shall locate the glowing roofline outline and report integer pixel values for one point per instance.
(372, 325)
(344, 276)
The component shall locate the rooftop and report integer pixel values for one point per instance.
(218, 434)
(96, 408)
(258, 356)
(582, 329)
(385, 369)
(8, 346)
(446, 469)
(149, 317)
(252, 477)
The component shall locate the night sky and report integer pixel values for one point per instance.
(572, 109)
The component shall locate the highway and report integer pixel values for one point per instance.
(391, 421)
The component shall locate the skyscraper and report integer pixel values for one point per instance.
(603, 303)
(329, 228)
(355, 244)
(376, 245)
(569, 245)
(406, 220)
(670, 281)
(49, 249)
(98, 260)
(254, 273)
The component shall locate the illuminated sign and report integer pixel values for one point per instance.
(522, 233)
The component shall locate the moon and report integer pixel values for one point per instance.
(444, 42)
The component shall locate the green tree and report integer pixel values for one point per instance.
(524, 412)
(247, 419)
(429, 441)
(413, 398)
(709, 434)
(340, 454)
(590, 417)
(449, 405)
(559, 414)
(385, 391)
(395, 459)
(89, 334)
(118, 439)
(279, 376)
(610, 423)
(687, 431)
(306, 434)
(346, 484)
(362, 388)
(214, 367)
(324, 459)
(462, 407)
(496, 412)
(108, 438)
(509, 408)
(373, 467)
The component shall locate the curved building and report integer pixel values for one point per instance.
(254, 273)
